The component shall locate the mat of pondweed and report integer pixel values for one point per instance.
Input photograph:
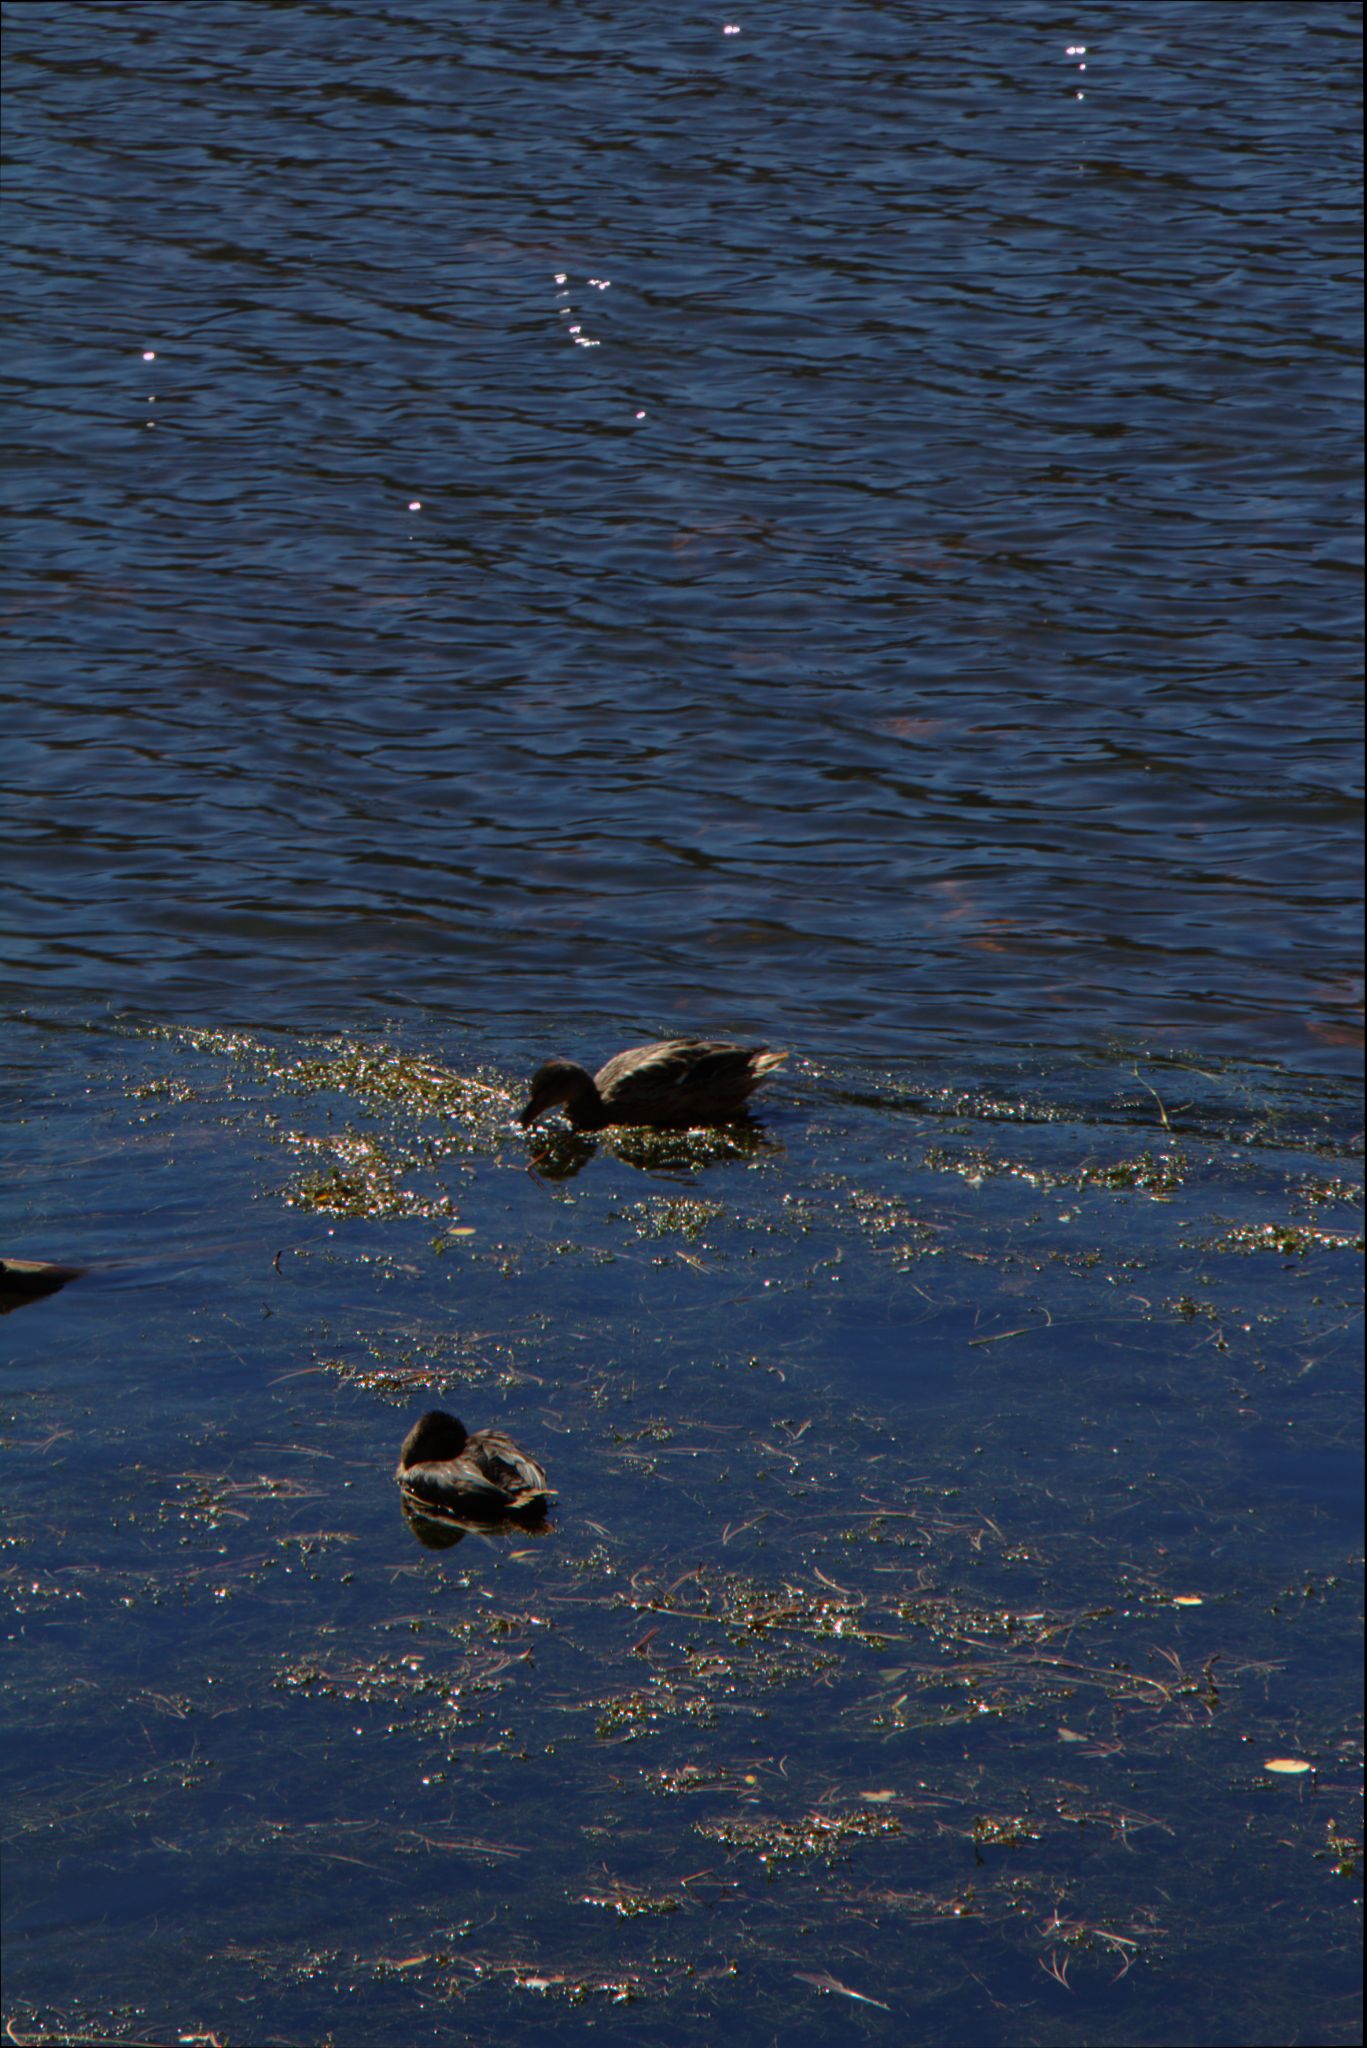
(946, 1631)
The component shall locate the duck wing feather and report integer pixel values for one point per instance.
(503, 1466)
(680, 1077)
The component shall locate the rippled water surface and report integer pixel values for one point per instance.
(533, 527)
(886, 553)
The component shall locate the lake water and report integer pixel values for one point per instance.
(538, 527)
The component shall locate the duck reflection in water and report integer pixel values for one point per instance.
(436, 1529)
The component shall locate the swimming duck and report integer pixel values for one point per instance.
(442, 1465)
(673, 1084)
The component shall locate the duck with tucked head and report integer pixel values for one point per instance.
(442, 1465)
(674, 1084)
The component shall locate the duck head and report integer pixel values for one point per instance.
(433, 1438)
(561, 1081)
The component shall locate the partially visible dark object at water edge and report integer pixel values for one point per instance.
(25, 1280)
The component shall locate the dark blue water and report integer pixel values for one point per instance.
(532, 527)
(929, 603)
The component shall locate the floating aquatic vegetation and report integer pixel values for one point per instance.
(1342, 1852)
(408, 1363)
(211, 1499)
(1066, 1939)
(889, 1224)
(690, 1151)
(474, 1111)
(821, 1835)
(673, 1780)
(1288, 1240)
(1157, 1174)
(1314, 1192)
(453, 1685)
(645, 1711)
(1004, 1831)
(360, 1177)
(632, 1905)
(574, 1990)
(383, 1078)
(675, 1216)
(876, 1576)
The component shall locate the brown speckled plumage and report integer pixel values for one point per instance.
(442, 1465)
